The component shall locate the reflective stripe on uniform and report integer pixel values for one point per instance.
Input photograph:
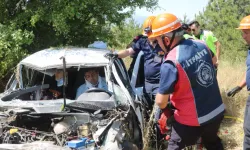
(212, 114)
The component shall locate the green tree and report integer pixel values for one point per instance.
(32, 25)
(222, 17)
(67, 22)
(12, 48)
(185, 19)
(123, 34)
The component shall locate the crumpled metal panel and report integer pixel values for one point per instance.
(111, 143)
(50, 58)
(39, 106)
(38, 145)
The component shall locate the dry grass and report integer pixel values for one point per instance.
(148, 132)
(127, 61)
(228, 77)
(231, 132)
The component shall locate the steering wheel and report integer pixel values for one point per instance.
(97, 90)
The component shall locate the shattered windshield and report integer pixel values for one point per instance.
(47, 84)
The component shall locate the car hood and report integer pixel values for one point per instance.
(45, 106)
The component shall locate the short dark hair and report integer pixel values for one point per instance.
(179, 29)
(185, 26)
(197, 24)
(90, 69)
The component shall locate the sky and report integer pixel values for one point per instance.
(177, 7)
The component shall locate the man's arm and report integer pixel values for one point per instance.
(167, 83)
(126, 53)
(243, 82)
(79, 91)
(161, 100)
(217, 47)
(214, 59)
(134, 47)
(217, 44)
(238, 88)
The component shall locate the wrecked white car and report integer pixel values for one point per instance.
(36, 112)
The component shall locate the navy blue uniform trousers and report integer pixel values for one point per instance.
(183, 136)
(246, 126)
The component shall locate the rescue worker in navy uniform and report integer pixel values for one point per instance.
(188, 80)
(153, 56)
(245, 28)
(134, 57)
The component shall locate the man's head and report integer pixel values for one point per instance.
(59, 77)
(91, 75)
(167, 30)
(195, 27)
(147, 26)
(186, 28)
(245, 28)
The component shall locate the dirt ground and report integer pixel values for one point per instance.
(231, 133)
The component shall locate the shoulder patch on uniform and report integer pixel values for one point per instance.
(138, 37)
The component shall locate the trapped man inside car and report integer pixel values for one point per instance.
(92, 80)
(55, 92)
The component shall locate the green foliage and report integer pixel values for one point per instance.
(185, 19)
(222, 17)
(31, 25)
(67, 22)
(123, 35)
(12, 42)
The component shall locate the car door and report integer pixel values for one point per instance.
(137, 77)
(122, 72)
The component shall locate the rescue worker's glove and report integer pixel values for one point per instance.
(111, 55)
(165, 122)
(232, 92)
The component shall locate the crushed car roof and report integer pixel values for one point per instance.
(50, 58)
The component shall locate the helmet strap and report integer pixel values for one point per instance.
(168, 47)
